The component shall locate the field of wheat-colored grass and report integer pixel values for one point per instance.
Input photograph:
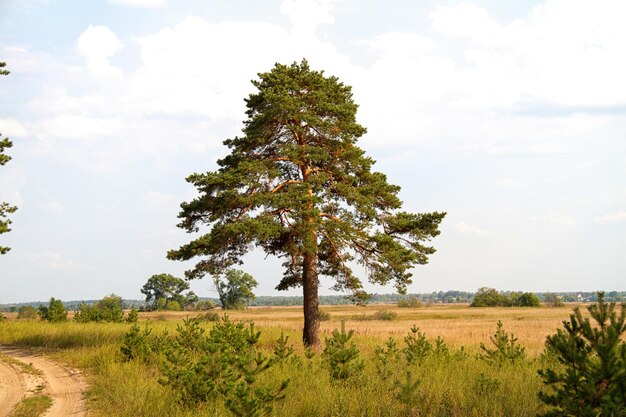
(458, 324)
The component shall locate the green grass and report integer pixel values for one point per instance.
(24, 367)
(456, 385)
(32, 406)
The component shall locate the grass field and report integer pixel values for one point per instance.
(458, 325)
(455, 385)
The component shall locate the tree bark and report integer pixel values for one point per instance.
(310, 334)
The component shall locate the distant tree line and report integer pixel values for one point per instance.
(489, 297)
(438, 297)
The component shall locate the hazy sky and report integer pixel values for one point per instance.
(512, 118)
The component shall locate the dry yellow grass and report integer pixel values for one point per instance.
(458, 325)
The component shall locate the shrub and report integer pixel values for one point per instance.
(324, 315)
(204, 305)
(173, 305)
(223, 364)
(386, 358)
(55, 311)
(385, 315)
(133, 316)
(412, 302)
(109, 309)
(341, 355)
(211, 316)
(506, 348)
(2, 316)
(590, 376)
(417, 346)
(137, 344)
(27, 313)
(489, 297)
(528, 299)
(282, 351)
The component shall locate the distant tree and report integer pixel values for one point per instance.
(489, 297)
(27, 313)
(5, 208)
(234, 289)
(553, 300)
(298, 186)
(588, 378)
(165, 291)
(109, 309)
(55, 311)
(528, 299)
(191, 299)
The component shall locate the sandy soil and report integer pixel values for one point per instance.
(65, 386)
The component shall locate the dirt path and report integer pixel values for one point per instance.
(65, 386)
(11, 389)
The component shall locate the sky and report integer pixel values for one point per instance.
(509, 116)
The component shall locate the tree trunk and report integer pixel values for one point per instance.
(310, 334)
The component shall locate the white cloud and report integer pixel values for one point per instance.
(58, 262)
(562, 219)
(307, 15)
(11, 128)
(509, 183)
(564, 52)
(140, 3)
(468, 21)
(616, 217)
(51, 206)
(468, 229)
(98, 44)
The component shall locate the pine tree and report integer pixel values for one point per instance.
(589, 379)
(5, 208)
(297, 186)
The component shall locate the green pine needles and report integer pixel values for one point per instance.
(342, 355)
(297, 186)
(588, 378)
(505, 348)
(5, 208)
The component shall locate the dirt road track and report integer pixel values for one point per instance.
(65, 386)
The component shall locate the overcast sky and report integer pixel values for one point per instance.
(510, 116)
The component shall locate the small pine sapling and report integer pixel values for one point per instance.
(506, 348)
(386, 358)
(137, 344)
(417, 346)
(589, 377)
(282, 351)
(342, 355)
(133, 316)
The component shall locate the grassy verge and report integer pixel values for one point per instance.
(32, 406)
(455, 384)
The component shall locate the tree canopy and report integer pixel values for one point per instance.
(5, 208)
(297, 186)
(235, 288)
(165, 292)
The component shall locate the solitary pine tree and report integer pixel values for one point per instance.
(5, 208)
(297, 186)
